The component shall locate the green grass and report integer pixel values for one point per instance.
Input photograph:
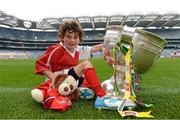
(159, 87)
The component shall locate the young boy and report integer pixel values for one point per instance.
(63, 58)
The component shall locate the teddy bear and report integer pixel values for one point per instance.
(60, 97)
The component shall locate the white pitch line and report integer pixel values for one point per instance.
(12, 90)
(164, 91)
(153, 90)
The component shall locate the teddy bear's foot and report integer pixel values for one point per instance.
(37, 95)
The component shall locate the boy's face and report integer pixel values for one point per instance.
(71, 40)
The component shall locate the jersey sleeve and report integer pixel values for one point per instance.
(41, 64)
(84, 52)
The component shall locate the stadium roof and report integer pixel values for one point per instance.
(169, 20)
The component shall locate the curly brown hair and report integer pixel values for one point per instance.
(70, 26)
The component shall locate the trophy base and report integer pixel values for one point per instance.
(113, 103)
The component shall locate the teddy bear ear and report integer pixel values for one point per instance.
(59, 79)
(75, 95)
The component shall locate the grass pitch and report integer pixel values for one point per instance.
(160, 86)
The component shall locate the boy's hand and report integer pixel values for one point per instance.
(52, 76)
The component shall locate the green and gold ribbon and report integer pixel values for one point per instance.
(129, 92)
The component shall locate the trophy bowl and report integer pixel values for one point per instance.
(146, 46)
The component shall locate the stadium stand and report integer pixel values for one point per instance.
(22, 39)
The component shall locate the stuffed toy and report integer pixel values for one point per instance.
(60, 97)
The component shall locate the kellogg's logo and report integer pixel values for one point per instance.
(130, 113)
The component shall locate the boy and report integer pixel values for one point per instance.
(63, 58)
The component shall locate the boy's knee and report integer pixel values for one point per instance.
(87, 64)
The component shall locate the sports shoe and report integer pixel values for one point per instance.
(112, 103)
(85, 93)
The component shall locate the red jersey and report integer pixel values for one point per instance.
(56, 58)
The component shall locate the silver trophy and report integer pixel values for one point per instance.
(146, 49)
